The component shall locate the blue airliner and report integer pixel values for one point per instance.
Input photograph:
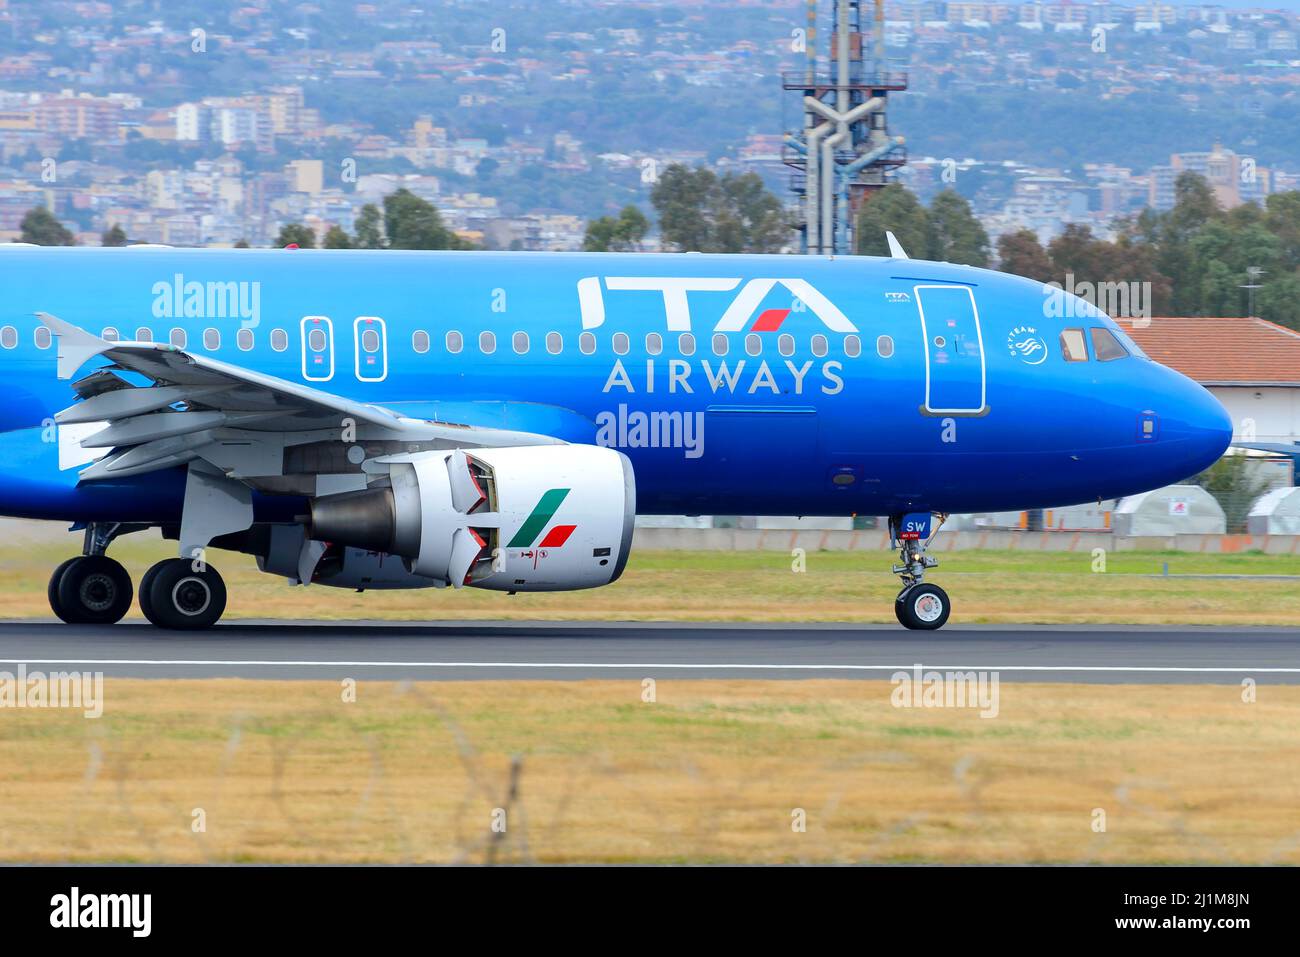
(412, 419)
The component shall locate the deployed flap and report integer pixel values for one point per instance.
(127, 401)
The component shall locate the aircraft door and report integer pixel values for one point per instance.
(370, 344)
(954, 350)
(317, 348)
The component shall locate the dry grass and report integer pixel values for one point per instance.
(1001, 587)
(286, 771)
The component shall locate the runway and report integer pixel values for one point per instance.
(459, 651)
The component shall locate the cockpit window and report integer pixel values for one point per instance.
(1072, 346)
(1127, 342)
(1105, 346)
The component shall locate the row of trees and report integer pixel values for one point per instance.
(947, 232)
(1197, 259)
(40, 227)
(406, 222)
(699, 211)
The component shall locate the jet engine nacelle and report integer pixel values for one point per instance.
(532, 518)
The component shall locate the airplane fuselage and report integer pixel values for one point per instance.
(735, 384)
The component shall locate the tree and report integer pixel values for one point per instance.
(621, 234)
(370, 228)
(337, 238)
(895, 209)
(242, 244)
(702, 212)
(115, 235)
(296, 234)
(956, 236)
(40, 227)
(681, 197)
(414, 223)
(1020, 253)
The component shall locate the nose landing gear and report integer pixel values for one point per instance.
(919, 606)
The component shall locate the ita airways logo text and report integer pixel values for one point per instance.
(531, 530)
(1024, 343)
(744, 313)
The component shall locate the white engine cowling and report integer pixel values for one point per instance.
(531, 518)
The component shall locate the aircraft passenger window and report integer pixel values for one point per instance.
(884, 347)
(8, 337)
(1105, 346)
(144, 335)
(487, 343)
(279, 340)
(753, 344)
(785, 345)
(370, 341)
(587, 343)
(316, 340)
(554, 343)
(420, 341)
(654, 343)
(244, 339)
(852, 346)
(43, 337)
(212, 338)
(621, 343)
(819, 346)
(719, 345)
(686, 344)
(455, 342)
(519, 342)
(177, 338)
(109, 334)
(1072, 346)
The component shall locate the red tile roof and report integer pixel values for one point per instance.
(1221, 351)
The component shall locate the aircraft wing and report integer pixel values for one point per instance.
(267, 431)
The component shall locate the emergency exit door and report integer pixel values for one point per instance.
(317, 348)
(370, 346)
(954, 350)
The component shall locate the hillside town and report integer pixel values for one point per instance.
(128, 116)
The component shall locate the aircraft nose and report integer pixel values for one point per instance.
(1200, 423)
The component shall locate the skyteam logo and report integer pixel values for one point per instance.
(1025, 344)
(744, 314)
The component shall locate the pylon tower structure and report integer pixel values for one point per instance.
(844, 149)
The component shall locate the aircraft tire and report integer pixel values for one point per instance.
(923, 607)
(146, 583)
(181, 598)
(93, 590)
(52, 592)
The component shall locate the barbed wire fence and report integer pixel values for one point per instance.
(115, 758)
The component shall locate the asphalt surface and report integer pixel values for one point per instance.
(449, 651)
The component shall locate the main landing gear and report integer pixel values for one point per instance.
(918, 606)
(93, 589)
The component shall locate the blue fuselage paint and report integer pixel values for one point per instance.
(848, 386)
